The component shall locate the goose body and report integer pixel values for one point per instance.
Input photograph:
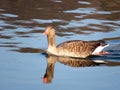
(73, 48)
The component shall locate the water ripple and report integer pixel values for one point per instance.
(42, 21)
(81, 10)
(84, 2)
(9, 15)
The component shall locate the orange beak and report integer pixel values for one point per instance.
(45, 33)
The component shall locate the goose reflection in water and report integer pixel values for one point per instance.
(72, 62)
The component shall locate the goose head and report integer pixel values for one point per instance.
(49, 31)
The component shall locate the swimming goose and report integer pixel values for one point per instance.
(73, 48)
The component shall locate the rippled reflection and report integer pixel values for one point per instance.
(78, 20)
(72, 62)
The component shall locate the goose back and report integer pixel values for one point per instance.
(78, 48)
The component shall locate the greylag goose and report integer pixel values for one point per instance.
(73, 48)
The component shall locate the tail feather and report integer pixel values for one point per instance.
(99, 49)
(100, 61)
(102, 43)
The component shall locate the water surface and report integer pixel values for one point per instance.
(22, 61)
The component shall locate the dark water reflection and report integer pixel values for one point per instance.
(72, 62)
(22, 43)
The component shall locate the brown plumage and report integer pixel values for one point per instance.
(74, 48)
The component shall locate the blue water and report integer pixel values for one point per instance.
(23, 63)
